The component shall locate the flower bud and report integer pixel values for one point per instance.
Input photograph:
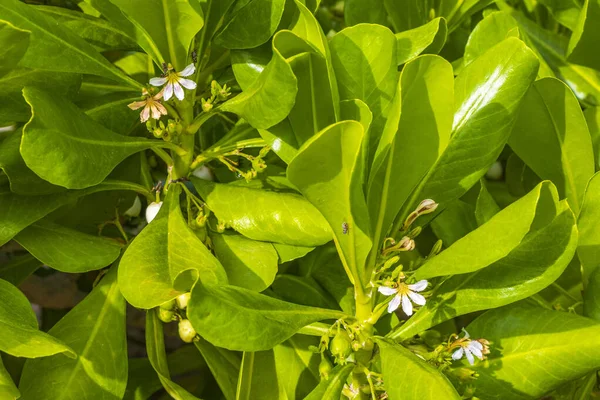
(187, 333)
(427, 206)
(206, 105)
(221, 227)
(341, 345)
(165, 316)
(406, 244)
(168, 305)
(325, 367)
(435, 250)
(152, 210)
(183, 300)
(204, 172)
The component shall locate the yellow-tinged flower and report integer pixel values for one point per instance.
(151, 104)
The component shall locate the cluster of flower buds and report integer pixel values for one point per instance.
(175, 310)
(427, 206)
(218, 94)
(167, 132)
(258, 163)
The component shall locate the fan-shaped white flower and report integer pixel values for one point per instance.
(175, 81)
(470, 348)
(406, 295)
(151, 104)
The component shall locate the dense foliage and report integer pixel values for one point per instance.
(300, 199)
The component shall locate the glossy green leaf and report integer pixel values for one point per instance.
(584, 38)
(425, 39)
(412, 378)
(22, 179)
(15, 108)
(365, 11)
(486, 206)
(588, 249)
(591, 296)
(492, 30)
(95, 329)
(166, 259)
(65, 147)
(8, 390)
(269, 99)
(331, 389)
(364, 61)
(17, 269)
(265, 215)
(258, 377)
(548, 347)
(301, 290)
(592, 117)
(98, 32)
(496, 238)
(155, 346)
(14, 42)
(19, 328)
(327, 170)
(564, 11)
(171, 25)
(408, 14)
(249, 263)
(487, 94)
(422, 105)
(112, 112)
(252, 24)
(224, 366)
(551, 118)
(55, 48)
(261, 322)
(66, 249)
(457, 221)
(296, 366)
(288, 252)
(534, 264)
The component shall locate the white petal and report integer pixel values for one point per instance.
(417, 298)
(158, 81)
(419, 286)
(457, 355)
(387, 291)
(187, 83)
(407, 305)
(476, 344)
(393, 306)
(152, 210)
(475, 350)
(168, 91)
(204, 173)
(135, 209)
(178, 91)
(187, 71)
(469, 356)
(145, 114)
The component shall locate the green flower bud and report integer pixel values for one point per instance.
(187, 333)
(183, 300)
(207, 105)
(165, 316)
(325, 367)
(169, 305)
(341, 345)
(221, 227)
(201, 221)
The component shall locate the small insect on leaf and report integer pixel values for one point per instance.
(345, 228)
(194, 56)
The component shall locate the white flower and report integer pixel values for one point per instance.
(152, 210)
(204, 172)
(404, 294)
(150, 104)
(469, 348)
(175, 81)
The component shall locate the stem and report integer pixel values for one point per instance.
(315, 329)
(163, 155)
(182, 162)
(564, 292)
(219, 151)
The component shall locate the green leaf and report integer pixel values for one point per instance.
(425, 39)
(14, 43)
(17, 269)
(584, 38)
(592, 117)
(166, 259)
(252, 23)
(301, 290)
(327, 170)
(55, 48)
(98, 32)
(551, 118)
(258, 377)
(331, 389)
(492, 30)
(95, 329)
(364, 61)
(261, 322)
(564, 11)
(408, 377)
(287, 252)
(296, 366)
(171, 25)
(534, 264)
(155, 346)
(408, 14)
(249, 263)
(486, 207)
(365, 11)
(8, 390)
(224, 366)
(67, 250)
(497, 237)
(19, 328)
(265, 215)
(549, 347)
(457, 221)
(591, 296)
(486, 94)
(588, 249)
(269, 99)
(65, 147)
(112, 112)
(22, 179)
(421, 105)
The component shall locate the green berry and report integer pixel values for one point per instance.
(187, 333)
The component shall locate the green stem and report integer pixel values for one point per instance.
(219, 151)
(315, 329)
(563, 291)
(163, 155)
